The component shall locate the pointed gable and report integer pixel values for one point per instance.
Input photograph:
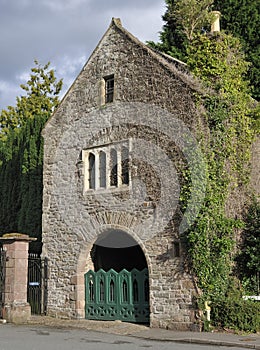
(141, 73)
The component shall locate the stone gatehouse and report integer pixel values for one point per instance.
(113, 156)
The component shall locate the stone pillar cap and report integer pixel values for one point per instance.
(16, 237)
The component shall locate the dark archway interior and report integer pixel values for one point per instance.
(117, 250)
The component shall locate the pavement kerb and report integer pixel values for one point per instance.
(201, 342)
(194, 340)
(146, 333)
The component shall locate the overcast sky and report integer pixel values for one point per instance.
(64, 32)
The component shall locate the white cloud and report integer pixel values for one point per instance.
(63, 5)
(67, 69)
(8, 93)
(64, 32)
(70, 65)
(23, 77)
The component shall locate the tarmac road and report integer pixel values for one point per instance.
(38, 337)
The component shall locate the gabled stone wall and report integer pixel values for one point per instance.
(152, 96)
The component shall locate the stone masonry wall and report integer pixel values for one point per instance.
(149, 93)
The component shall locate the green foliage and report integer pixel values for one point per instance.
(248, 259)
(21, 153)
(41, 99)
(242, 19)
(172, 38)
(218, 60)
(192, 15)
(21, 180)
(237, 314)
(211, 241)
(219, 63)
(184, 18)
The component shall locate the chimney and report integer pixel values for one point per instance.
(215, 26)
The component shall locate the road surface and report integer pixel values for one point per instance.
(29, 337)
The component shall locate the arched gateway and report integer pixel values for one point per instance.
(113, 165)
(117, 288)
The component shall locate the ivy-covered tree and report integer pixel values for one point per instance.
(21, 153)
(240, 18)
(218, 60)
(183, 18)
(173, 41)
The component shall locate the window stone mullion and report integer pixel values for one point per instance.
(119, 167)
(107, 168)
(96, 169)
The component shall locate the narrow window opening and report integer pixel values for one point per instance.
(91, 170)
(125, 166)
(176, 249)
(102, 169)
(113, 174)
(109, 88)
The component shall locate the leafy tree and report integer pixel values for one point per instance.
(217, 59)
(238, 17)
(183, 18)
(192, 15)
(21, 153)
(242, 19)
(42, 90)
(219, 62)
(173, 41)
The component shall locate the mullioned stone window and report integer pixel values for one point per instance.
(106, 166)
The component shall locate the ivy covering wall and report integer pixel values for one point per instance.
(223, 242)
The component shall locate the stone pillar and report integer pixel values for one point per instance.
(16, 308)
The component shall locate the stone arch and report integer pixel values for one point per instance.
(85, 263)
(115, 249)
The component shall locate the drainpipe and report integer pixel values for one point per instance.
(215, 26)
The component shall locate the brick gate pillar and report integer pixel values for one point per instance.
(16, 308)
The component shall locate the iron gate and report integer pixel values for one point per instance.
(115, 295)
(37, 284)
(2, 280)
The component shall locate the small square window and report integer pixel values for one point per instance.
(176, 249)
(109, 88)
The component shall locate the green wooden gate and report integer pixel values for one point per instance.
(115, 295)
